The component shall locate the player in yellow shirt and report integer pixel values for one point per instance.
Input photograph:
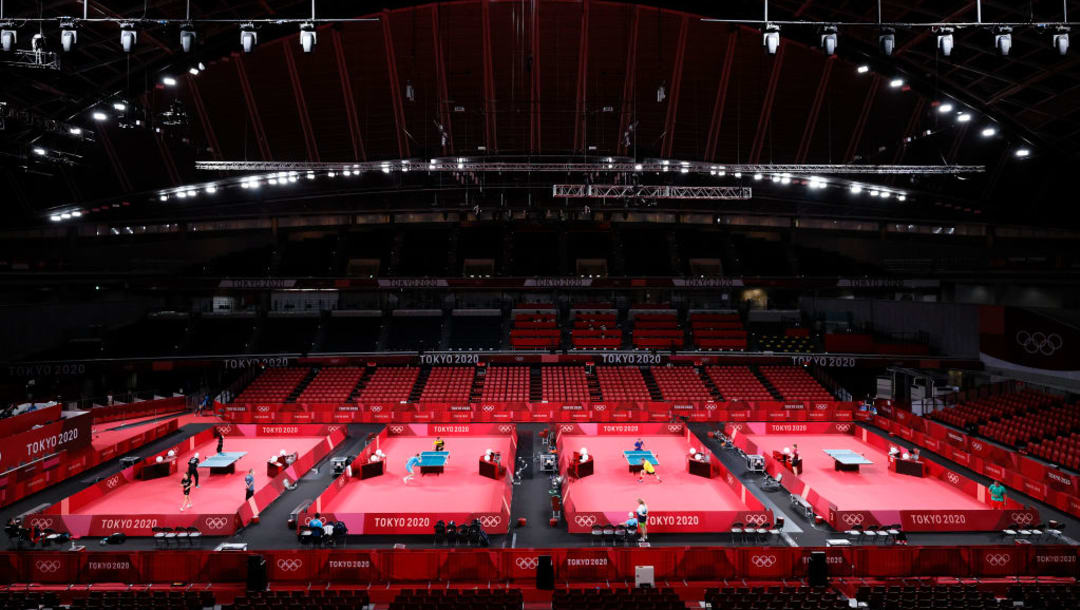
(648, 468)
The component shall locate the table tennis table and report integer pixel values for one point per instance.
(433, 462)
(222, 463)
(634, 459)
(846, 459)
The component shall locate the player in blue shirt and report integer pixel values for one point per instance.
(639, 444)
(413, 462)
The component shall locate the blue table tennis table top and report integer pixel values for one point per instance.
(222, 459)
(434, 458)
(634, 458)
(847, 456)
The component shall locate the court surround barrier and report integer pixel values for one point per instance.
(1056, 487)
(577, 411)
(581, 521)
(59, 518)
(423, 520)
(990, 519)
(518, 566)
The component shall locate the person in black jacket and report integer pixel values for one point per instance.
(193, 469)
(220, 441)
(185, 484)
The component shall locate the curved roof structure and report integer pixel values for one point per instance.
(547, 77)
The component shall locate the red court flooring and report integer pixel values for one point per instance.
(460, 489)
(216, 494)
(614, 491)
(874, 487)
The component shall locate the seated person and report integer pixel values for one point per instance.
(584, 455)
(374, 458)
(893, 451)
(631, 521)
(488, 455)
(439, 443)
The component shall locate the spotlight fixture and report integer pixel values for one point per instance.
(945, 41)
(661, 93)
(896, 83)
(410, 92)
(37, 43)
(8, 35)
(128, 36)
(75, 131)
(193, 71)
(771, 38)
(863, 69)
(168, 81)
(989, 132)
(758, 176)
(945, 108)
(1003, 40)
(829, 39)
(856, 189)
(248, 37)
(1022, 153)
(39, 151)
(100, 116)
(163, 197)
(887, 41)
(119, 106)
(68, 35)
(963, 117)
(307, 37)
(1060, 39)
(187, 37)
(211, 188)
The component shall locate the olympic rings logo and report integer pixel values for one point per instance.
(290, 565)
(375, 408)
(1039, 342)
(216, 523)
(506, 429)
(490, 520)
(710, 406)
(585, 520)
(397, 429)
(42, 522)
(952, 477)
(852, 518)
(47, 566)
(758, 519)
(821, 406)
(262, 409)
(599, 407)
(736, 427)
(224, 430)
(1022, 518)
(976, 445)
(674, 428)
(527, 563)
(998, 559)
(763, 561)
(842, 427)
(334, 428)
(488, 408)
(113, 482)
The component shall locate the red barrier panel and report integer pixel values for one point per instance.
(575, 565)
(138, 409)
(69, 434)
(25, 421)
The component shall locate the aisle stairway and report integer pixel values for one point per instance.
(299, 389)
(768, 385)
(650, 382)
(361, 384)
(418, 387)
(536, 384)
(709, 383)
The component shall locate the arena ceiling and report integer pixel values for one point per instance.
(543, 78)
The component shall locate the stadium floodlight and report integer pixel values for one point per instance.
(37, 43)
(100, 116)
(989, 132)
(945, 108)
(856, 189)
(119, 106)
(211, 188)
(1060, 39)
(68, 35)
(896, 83)
(863, 69)
(187, 37)
(248, 37)
(963, 117)
(168, 81)
(128, 36)
(829, 39)
(193, 71)
(39, 151)
(75, 131)
(771, 38)
(887, 41)
(945, 41)
(8, 35)
(1003, 40)
(308, 37)
(1022, 153)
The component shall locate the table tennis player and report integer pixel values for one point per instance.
(439, 443)
(193, 468)
(997, 495)
(648, 469)
(413, 462)
(639, 445)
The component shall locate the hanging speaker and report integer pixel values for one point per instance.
(545, 573)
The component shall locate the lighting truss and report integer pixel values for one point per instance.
(609, 164)
(631, 191)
